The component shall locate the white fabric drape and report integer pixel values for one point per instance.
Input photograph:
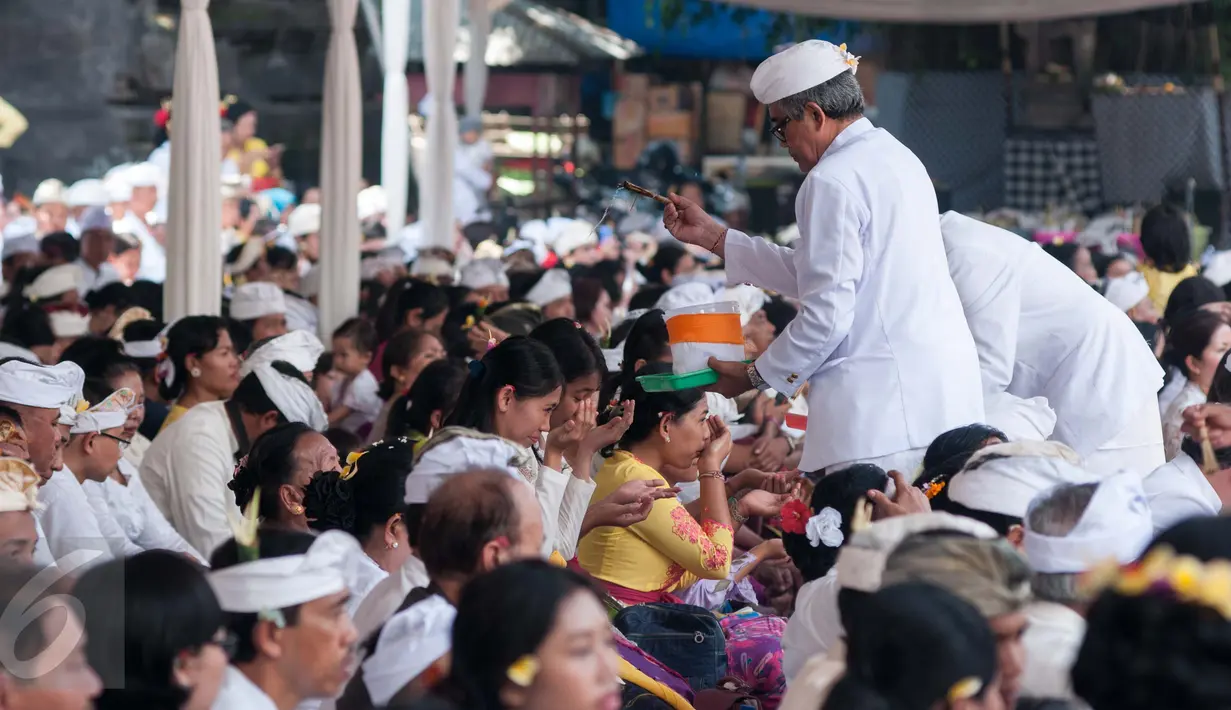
(341, 163)
(955, 11)
(395, 133)
(474, 78)
(440, 23)
(194, 203)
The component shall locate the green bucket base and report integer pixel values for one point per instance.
(675, 383)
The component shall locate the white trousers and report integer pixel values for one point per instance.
(1138, 448)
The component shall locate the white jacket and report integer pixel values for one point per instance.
(880, 333)
(1043, 332)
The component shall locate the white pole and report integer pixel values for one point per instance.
(474, 78)
(440, 22)
(395, 132)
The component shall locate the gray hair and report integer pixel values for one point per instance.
(840, 98)
(1055, 514)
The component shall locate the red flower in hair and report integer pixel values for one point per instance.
(795, 516)
(161, 117)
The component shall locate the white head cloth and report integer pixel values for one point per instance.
(257, 299)
(298, 347)
(40, 386)
(482, 273)
(1116, 524)
(21, 227)
(750, 299)
(145, 349)
(692, 293)
(411, 641)
(68, 324)
(304, 220)
(20, 245)
(88, 193)
(49, 192)
(554, 285)
(1217, 268)
(432, 266)
(18, 486)
(118, 187)
(1127, 291)
(372, 267)
(328, 567)
(95, 218)
(111, 413)
(1007, 485)
(293, 397)
(861, 562)
(573, 236)
(437, 463)
(55, 281)
(798, 68)
(143, 175)
(373, 202)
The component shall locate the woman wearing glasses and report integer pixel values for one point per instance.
(155, 633)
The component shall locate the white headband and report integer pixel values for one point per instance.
(328, 567)
(111, 413)
(409, 644)
(300, 348)
(143, 349)
(40, 386)
(293, 398)
(257, 300)
(1116, 524)
(861, 561)
(552, 286)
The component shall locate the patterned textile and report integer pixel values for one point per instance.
(754, 654)
(1050, 170)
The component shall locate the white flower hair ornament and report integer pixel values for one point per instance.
(825, 528)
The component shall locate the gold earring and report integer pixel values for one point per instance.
(297, 510)
(668, 437)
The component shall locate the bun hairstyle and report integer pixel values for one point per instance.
(577, 354)
(948, 453)
(647, 340)
(651, 407)
(191, 335)
(520, 362)
(269, 465)
(1188, 337)
(361, 498)
(840, 491)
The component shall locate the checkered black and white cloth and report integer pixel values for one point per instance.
(1052, 171)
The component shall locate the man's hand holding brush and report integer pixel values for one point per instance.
(1212, 421)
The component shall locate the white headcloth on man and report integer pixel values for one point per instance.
(301, 348)
(800, 67)
(1115, 525)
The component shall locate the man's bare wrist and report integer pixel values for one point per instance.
(720, 243)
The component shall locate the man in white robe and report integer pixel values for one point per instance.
(1068, 530)
(295, 642)
(143, 179)
(187, 468)
(1043, 332)
(43, 397)
(1179, 489)
(880, 334)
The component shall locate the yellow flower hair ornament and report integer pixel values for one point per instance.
(523, 671)
(82, 405)
(1163, 573)
(964, 689)
(351, 467)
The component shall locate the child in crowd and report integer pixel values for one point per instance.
(356, 401)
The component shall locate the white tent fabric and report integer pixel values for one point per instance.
(474, 79)
(440, 23)
(395, 133)
(341, 156)
(955, 11)
(194, 213)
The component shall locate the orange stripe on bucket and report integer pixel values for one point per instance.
(705, 328)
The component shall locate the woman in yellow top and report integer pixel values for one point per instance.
(254, 157)
(1168, 249)
(198, 365)
(671, 438)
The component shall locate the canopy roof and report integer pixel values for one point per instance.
(956, 11)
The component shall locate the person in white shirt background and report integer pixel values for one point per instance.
(883, 384)
(51, 206)
(1068, 529)
(97, 245)
(1195, 346)
(356, 400)
(1041, 332)
(141, 182)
